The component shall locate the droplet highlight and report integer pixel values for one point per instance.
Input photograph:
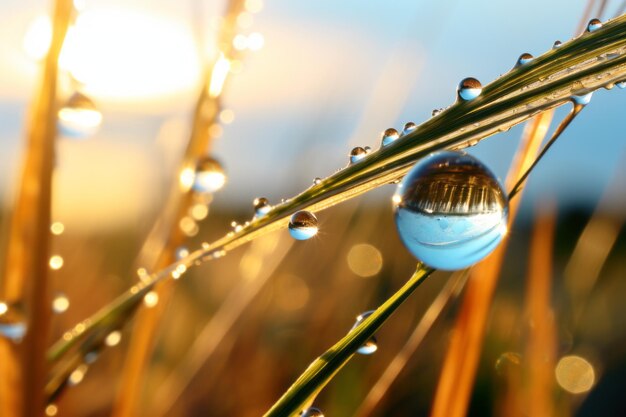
(450, 210)
(389, 135)
(262, 206)
(593, 25)
(209, 176)
(303, 225)
(469, 89)
(60, 303)
(79, 117)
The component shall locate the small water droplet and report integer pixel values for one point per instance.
(389, 136)
(113, 338)
(317, 181)
(506, 361)
(582, 99)
(12, 322)
(303, 225)
(408, 128)
(356, 154)
(261, 206)
(77, 376)
(523, 59)
(371, 345)
(312, 412)
(469, 89)
(368, 149)
(60, 303)
(209, 176)
(436, 112)
(181, 253)
(456, 188)
(593, 25)
(621, 84)
(557, 44)
(79, 117)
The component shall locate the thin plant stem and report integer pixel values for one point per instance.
(23, 368)
(320, 372)
(375, 395)
(557, 133)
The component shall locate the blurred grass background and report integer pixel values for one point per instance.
(328, 77)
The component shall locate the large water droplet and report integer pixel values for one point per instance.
(408, 128)
(303, 225)
(593, 25)
(12, 322)
(582, 99)
(209, 176)
(450, 210)
(356, 154)
(371, 345)
(312, 412)
(557, 44)
(389, 136)
(262, 206)
(469, 89)
(523, 59)
(79, 117)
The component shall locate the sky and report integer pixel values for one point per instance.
(329, 76)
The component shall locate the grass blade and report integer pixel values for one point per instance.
(317, 375)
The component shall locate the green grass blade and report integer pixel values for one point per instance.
(321, 371)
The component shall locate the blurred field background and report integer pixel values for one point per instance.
(311, 81)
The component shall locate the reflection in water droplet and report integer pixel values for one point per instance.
(371, 345)
(506, 361)
(12, 322)
(262, 206)
(621, 84)
(209, 176)
(593, 25)
(60, 303)
(450, 210)
(575, 374)
(469, 89)
(389, 136)
(583, 99)
(312, 412)
(408, 128)
(557, 44)
(523, 59)
(303, 225)
(79, 117)
(356, 154)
